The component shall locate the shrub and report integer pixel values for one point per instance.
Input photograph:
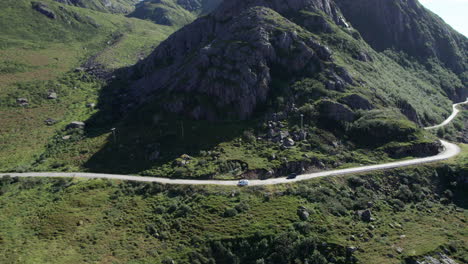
(356, 181)
(404, 193)
(242, 207)
(230, 212)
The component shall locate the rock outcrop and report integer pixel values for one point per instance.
(226, 64)
(225, 61)
(406, 25)
(44, 9)
(334, 111)
(357, 102)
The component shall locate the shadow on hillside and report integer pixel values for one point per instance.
(146, 137)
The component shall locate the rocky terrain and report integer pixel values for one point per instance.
(234, 57)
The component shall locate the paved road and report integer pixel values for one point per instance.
(450, 150)
(450, 118)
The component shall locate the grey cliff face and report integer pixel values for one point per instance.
(406, 25)
(227, 58)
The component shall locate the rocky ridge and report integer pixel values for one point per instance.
(228, 63)
(233, 70)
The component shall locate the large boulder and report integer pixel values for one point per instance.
(334, 111)
(76, 124)
(357, 102)
(365, 215)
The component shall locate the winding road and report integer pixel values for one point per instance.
(450, 150)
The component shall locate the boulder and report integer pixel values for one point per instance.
(351, 249)
(289, 142)
(22, 101)
(50, 121)
(336, 112)
(363, 56)
(408, 110)
(357, 102)
(302, 213)
(76, 124)
(52, 96)
(365, 215)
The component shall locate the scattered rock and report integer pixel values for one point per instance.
(52, 96)
(302, 213)
(363, 56)
(22, 101)
(399, 250)
(50, 121)
(289, 142)
(351, 249)
(283, 135)
(365, 215)
(91, 105)
(66, 137)
(76, 124)
(440, 259)
(185, 157)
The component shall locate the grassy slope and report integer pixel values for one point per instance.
(36, 53)
(63, 221)
(169, 12)
(117, 6)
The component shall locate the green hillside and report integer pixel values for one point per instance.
(174, 12)
(417, 212)
(38, 55)
(112, 6)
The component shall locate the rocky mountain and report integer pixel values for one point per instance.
(174, 12)
(407, 26)
(238, 58)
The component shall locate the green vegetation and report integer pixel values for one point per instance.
(38, 55)
(64, 220)
(174, 13)
(112, 6)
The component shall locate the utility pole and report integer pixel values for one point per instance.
(182, 129)
(114, 135)
(302, 127)
(302, 123)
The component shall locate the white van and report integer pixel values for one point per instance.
(243, 183)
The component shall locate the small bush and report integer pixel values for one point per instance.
(230, 212)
